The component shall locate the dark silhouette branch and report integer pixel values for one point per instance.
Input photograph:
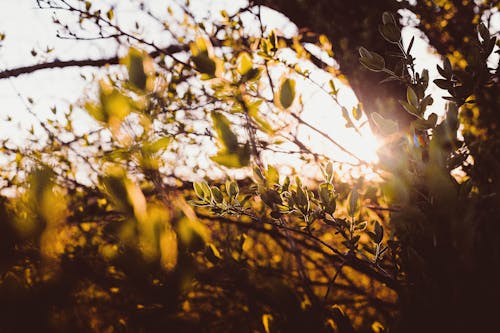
(14, 72)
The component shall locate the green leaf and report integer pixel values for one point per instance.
(410, 109)
(226, 136)
(324, 193)
(217, 194)
(286, 93)
(425, 78)
(447, 67)
(244, 63)
(272, 176)
(432, 120)
(158, 145)
(483, 32)
(96, 112)
(425, 103)
(201, 45)
(273, 40)
(371, 60)
(204, 64)
(116, 190)
(135, 63)
(421, 124)
(334, 90)
(379, 233)
(258, 176)
(411, 97)
(238, 159)
(361, 226)
(353, 202)
(327, 197)
(203, 57)
(286, 184)
(198, 190)
(390, 32)
(271, 197)
(230, 160)
(264, 125)
(232, 189)
(329, 172)
(443, 84)
(388, 18)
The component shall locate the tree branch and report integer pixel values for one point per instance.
(14, 72)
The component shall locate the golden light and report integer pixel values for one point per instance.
(323, 113)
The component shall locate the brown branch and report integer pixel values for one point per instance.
(14, 72)
(337, 257)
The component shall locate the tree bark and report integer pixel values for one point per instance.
(349, 27)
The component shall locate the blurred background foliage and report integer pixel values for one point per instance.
(183, 223)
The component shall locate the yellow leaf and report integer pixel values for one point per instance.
(356, 112)
(253, 112)
(168, 249)
(158, 145)
(266, 319)
(230, 160)
(244, 63)
(110, 14)
(224, 133)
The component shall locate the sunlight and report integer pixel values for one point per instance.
(324, 114)
(324, 132)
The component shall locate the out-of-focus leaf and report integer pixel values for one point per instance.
(356, 112)
(203, 57)
(213, 254)
(286, 93)
(168, 249)
(139, 66)
(239, 159)
(385, 126)
(226, 136)
(244, 63)
(192, 235)
(204, 64)
(253, 112)
(353, 202)
(266, 321)
(157, 145)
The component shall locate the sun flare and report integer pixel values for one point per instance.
(343, 142)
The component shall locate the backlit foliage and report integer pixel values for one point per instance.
(182, 223)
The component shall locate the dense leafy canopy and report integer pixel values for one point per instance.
(183, 221)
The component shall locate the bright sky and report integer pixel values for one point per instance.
(29, 28)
